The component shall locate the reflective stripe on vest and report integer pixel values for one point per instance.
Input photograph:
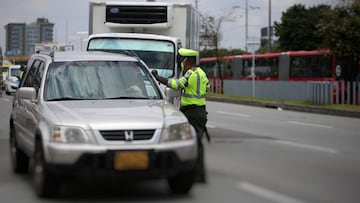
(194, 93)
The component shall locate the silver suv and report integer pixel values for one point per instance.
(96, 114)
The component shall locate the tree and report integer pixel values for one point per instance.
(341, 31)
(342, 35)
(223, 52)
(1, 56)
(211, 32)
(299, 26)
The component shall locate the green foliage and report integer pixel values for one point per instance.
(265, 48)
(321, 27)
(221, 52)
(1, 56)
(341, 30)
(299, 27)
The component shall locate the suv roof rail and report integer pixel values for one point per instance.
(49, 53)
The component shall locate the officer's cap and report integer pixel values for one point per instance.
(188, 52)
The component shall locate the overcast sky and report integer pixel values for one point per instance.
(71, 16)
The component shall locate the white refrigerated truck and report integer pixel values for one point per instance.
(153, 31)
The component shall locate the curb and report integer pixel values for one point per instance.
(290, 107)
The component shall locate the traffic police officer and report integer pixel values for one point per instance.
(194, 85)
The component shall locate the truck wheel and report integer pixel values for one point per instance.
(19, 160)
(182, 183)
(45, 183)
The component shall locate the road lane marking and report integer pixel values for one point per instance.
(234, 114)
(266, 193)
(306, 146)
(6, 99)
(309, 124)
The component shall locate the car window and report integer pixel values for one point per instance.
(29, 79)
(33, 78)
(99, 80)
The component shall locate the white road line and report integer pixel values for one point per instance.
(6, 99)
(309, 124)
(306, 146)
(233, 114)
(266, 193)
(210, 126)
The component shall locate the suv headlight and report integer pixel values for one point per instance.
(177, 132)
(70, 134)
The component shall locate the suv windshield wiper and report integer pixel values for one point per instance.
(128, 98)
(66, 99)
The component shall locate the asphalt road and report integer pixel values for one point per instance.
(257, 155)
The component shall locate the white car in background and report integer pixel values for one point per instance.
(12, 79)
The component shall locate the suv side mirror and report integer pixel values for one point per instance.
(27, 93)
(171, 93)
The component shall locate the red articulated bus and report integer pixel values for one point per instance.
(317, 65)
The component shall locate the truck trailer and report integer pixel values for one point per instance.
(150, 30)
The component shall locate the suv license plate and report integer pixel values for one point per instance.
(131, 160)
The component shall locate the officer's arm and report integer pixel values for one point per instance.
(182, 82)
(162, 80)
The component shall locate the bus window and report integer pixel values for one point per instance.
(313, 66)
(267, 68)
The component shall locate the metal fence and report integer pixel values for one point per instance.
(337, 92)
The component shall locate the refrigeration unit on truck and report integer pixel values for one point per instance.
(153, 31)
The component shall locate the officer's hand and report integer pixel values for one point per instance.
(159, 78)
(155, 74)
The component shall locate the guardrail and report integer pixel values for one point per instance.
(336, 92)
(319, 92)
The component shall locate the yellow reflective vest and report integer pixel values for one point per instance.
(194, 84)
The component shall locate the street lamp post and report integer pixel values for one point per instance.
(246, 25)
(253, 75)
(269, 28)
(82, 33)
(247, 21)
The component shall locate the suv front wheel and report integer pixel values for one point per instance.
(19, 160)
(45, 183)
(182, 183)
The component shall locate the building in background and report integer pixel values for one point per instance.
(21, 38)
(41, 31)
(15, 39)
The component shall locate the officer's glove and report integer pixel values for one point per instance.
(159, 78)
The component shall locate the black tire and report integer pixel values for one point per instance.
(182, 183)
(19, 160)
(46, 184)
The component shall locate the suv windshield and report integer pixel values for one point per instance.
(158, 55)
(81, 80)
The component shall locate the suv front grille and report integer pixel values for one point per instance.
(136, 14)
(127, 135)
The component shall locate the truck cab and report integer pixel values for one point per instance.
(152, 31)
(157, 51)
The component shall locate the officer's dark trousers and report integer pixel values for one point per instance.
(197, 118)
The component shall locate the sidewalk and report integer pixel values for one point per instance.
(290, 107)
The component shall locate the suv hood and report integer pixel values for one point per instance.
(115, 114)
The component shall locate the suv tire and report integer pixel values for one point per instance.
(45, 183)
(181, 183)
(19, 160)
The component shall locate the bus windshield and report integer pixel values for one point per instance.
(158, 55)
